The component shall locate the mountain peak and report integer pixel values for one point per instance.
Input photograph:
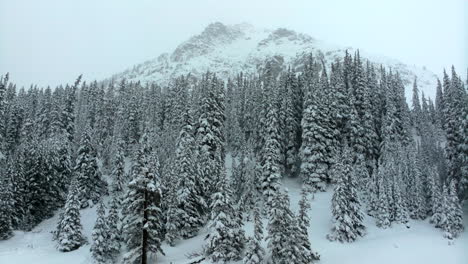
(214, 34)
(231, 49)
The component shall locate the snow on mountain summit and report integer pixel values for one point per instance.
(230, 49)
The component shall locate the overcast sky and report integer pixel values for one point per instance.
(53, 41)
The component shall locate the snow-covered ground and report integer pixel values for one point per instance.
(422, 243)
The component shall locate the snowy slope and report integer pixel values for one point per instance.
(422, 243)
(228, 50)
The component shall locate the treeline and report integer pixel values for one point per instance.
(160, 152)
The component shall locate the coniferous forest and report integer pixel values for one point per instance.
(160, 163)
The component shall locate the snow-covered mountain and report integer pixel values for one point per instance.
(230, 49)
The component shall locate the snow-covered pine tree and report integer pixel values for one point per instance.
(432, 189)
(69, 229)
(100, 246)
(416, 111)
(118, 176)
(382, 213)
(142, 224)
(400, 211)
(3, 89)
(291, 123)
(439, 103)
(190, 202)
(222, 243)
(209, 134)
(68, 112)
(438, 215)
(416, 206)
(252, 175)
(91, 186)
(308, 255)
(453, 225)
(313, 150)
(6, 203)
(454, 103)
(255, 253)
(282, 232)
(347, 217)
(463, 151)
(114, 235)
(271, 171)
(173, 219)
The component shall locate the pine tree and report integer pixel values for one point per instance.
(439, 103)
(416, 206)
(454, 100)
(255, 253)
(142, 224)
(400, 212)
(313, 150)
(438, 216)
(282, 232)
(114, 236)
(68, 113)
(271, 171)
(252, 173)
(382, 206)
(69, 229)
(416, 111)
(100, 246)
(6, 203)
(463, 151)
(347, 218)
(303, 224)
(210, 136)
(223, 242)
(453, 225)
(91, 186)
(119, 180)
(190, 202)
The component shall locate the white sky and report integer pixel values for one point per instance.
(48, 42)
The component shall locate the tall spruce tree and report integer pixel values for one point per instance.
(142, 224)
(223, 242)
(91, 186)
(69, 229)
(347, 217)
(255, 253)
(100, 246)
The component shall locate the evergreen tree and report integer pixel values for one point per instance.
(416, 111)
(347, 218)
(114, 236)
(313, 150)
(6, 203)
(382, 205)
(438, 216)
(118, 176)
(91, 186)
(69, 229)
(271, 171)
(282, 232)
(303, 224)
(255, 253)
(223, 242)
(142, 224)
(100, 246)
(190, 202)
(453, 224)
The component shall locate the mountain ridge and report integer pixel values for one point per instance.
(230, 49)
